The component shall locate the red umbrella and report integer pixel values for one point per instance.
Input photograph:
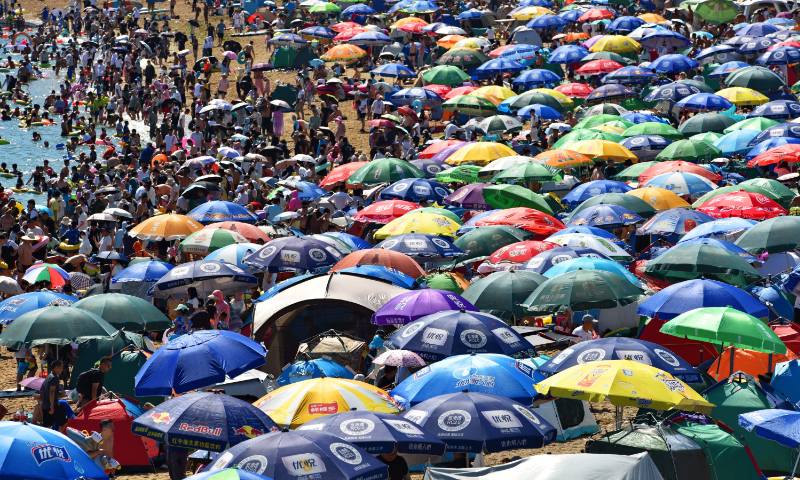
(742, 204)
(524, 218)
(437, 147)
(253, 18)
(512, 257)
(340, 174)
(385, 211)
(595, 14)
(408, 112)
(677, 166)
(382, 123)
(575, 90)
(342, 26)
(412, 27)
(346, 35)
(457, 92)
(789, 152)
(252, 233)
(786, 43)
(440, 90)
(599, 66)
(384, 258)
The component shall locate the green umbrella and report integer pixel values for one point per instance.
(512, 196)
(461, 173)
(631, 174)
(532, 98)
(692, 261)
(700, 85)
(384, 170)
(393, 118)
(448, 281)
(716, 12)
(501, 293)
(58, 325)
(709, 137)
(576, 136)
(527, 172)
(776, 235)
(204, 241)
(634, 204)
(775, 187)
(583, 290)
(126, 312)
(706, 122)
(620, 124)
(616, 57)
(725, 326)
(445, 75)
(689, 150)
(463, 58)
(733, 189)
(326, 7)
(602, 119)
(758, 123)
(653, 128)
(760, 79)
(440, 211)
(469, 105)
(482, 242)
(499, 124)
(635, 104)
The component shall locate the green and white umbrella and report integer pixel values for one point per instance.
(528, 172)
(206, 241)
(653, 128)
(499, 124)
(689, 150)
(326, 7)
(384, 170)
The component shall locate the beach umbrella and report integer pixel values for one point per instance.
(46, 272)
(217, 420)
(415, 190)
(672, 40)
(616, 44)
(445, 75)
(294, 254)
(625, 24)
(525, 172)
(677, 221)
(427, 97)
(725, 228)
(773, 189)
(393, 70)
(691, 261)
(500, 66)
(460, 174)
(469, 197)
(727, 69)
(773, 424)
(659, 198)
(576, 136)
(759, 79)
(17, 305)
(197, 360)
(502, 292)
(787, 130)
(736, 188)
(630, 74)
(591, 189)
(482, 242)
(645, 146)
(722, 244)
(689, 149)
(546, 260)
(384, 170)
(409, 307)
(288, 40)
(567, 54)
(399, 358)
(250, 232)
(536, 77)
(381, 257)
(636, 205)
(499, 124)
(573, 90)
(632, 173)
(426, 222)
(531, 98)
(602, 246)
(677, 299)
(31, 451)
(469, 105)
(523, 218)
(512, 196)
(385, 211)
(716, 12)
(700, 102)
(672, 91)
(742, 204)
(590, 263)
(389, 274)
(423, 247)
(779, 56)
(677, 166)
(463, 58)
(653, 128)
(756, 45)
(343, 53)
(148, 271)
(57, 325)
(673, 63)
(206, 276)
(604, 216)
(778, 109)
(546, 21)
(596, 67)
(583, 290)
(125, 312)
(206, 241)
(305, 368)
(437, 147)
(602, 149)
(611, 92)
(604, 109)
(480, 153)
(227, 473)
(719, 53)
(165, 227)
(741, 96)
(624, 383)
(771, 236)
(234, 254)
(450, 281)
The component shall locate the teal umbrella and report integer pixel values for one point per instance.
(532, 98)
(776, 235)
(697, 260)
(634, 204)
(527, 172)
(57, 325)
(583, 290)
(776, 188)
(689, 150)
(125, 312)
(501, 293)
(706, 122)
(512, 196)
(653, 128)
(484, 241)
(760, 79)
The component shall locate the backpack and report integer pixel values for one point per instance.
(84, 385)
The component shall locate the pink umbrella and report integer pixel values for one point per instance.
(231, 55)
(400, 358)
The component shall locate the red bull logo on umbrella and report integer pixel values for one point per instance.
(248, 431)
(160, 417)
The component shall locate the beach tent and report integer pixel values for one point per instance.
(283, 57)
(526, 36)
(688, 350)
(559, 467)
(742, 394)
(304, 57)
(786, 380)
(729, 457)
(676, 455)
(747, 361)
(287, 93)
(572, 418)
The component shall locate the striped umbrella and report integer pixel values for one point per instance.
(206, 241)
(47, 272)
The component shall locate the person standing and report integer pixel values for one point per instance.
(52, 411)
(90, 382)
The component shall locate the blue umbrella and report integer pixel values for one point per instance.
(422, 7)
(143, 272)
(782, 94)
(629, 74)
(779, 306)
(309, 191)
(610, 93)
(378, 433)
(704, 102)
(780, 56)
(444, 334)
(359, 9)
(234, 254)
(536, 77)
(288, 40)
(206, 276)
(700, 293)
(475, 422)
(673, 63)
(400, 6)
(637, 117)
(500, 65)
(682, 183)
(520, 52)
(542, 111)
(427, 97)
(785, 380)
(781, 426)
(587, 190)
(598, 232)
(546, 21)
(726, 69)
(789, 130)
(31, 451)
(354, 242)
(738, 41)
(422, 247)
(294, 254)
(220, 474)
(567, 54)
(777, 109)
(782, 34)
(411, 306)
(213, 419)
(731, 247)
(430, 166)
(757, 30)
(756, 45)
(432, 27)
(197, 360)
(668, 37)
(535, 3)
(572, 15)
(414, 190)
(769, 145)
(736, 142)
(13, 307)
(625, 24)
(371, 39)
(545, 260)
(470, 15)
(301, 370)
(719, 228)
(385, 273)
(322, 32)
(589, 263)
(221, 211)
(605, 216)
(715, 50)
(676, 221)
(469, 225)
(648, 145)
(302, 454)
(672, 91)
(482, 373)
(280, 287)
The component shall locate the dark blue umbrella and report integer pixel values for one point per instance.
(572, 15)
(427, 97)
(756, 45)
(536, 77)
(715, 50)
(604, 216)
(782, 34)
(726, 69)
(624, 24)
(302, 454)
(13, 307)
(206, 420)
(780, 56)
(112, 255)
(542, 111)
(197, 360)
(422, 247)
(500, 65)
(637, 117)
(701, 293)
(470, 15)
(665, 37)
(430, 166)
(738, 41)
(396, 277)
(294, 254)
(206, 276)
(769, 144)
(621, 348)
(546, 21)
(786, 130)
(704, 101)
(587, 190)
(567, 54)
(458, 332)
(782, 94)
(301, 370)
(411, 306)
(778, 110)
(358, 10)
(535, 3)
(545, 260)
(143, 272)
(673, 63)
(354, 242)
(671, 91)
(675, 221)
(757, 30)
(649, 143)
(378, 433)
(629, 74)
(475, 422)
(414, 190)
(221, 211)
(609, 93)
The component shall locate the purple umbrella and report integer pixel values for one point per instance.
(407, 307)
(400, 358)
(469, 197)
(447, 151)
(589, 43)
(35, 383)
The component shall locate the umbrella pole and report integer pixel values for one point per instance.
(769, 367)
(794, 468)
(733, 352)
(618, 417)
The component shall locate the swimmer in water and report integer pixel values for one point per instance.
(36, 137)
(46, 144)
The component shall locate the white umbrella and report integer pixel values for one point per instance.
(285, 216)
(303, 158)
(450, 31)
(9, 286)
(255, 156)
(598, 244)
(229, 152)
(209, 108)
(118, 212)
(102, 217)
(280, 104)
(503, 163)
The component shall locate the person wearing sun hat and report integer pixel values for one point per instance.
(586, 331)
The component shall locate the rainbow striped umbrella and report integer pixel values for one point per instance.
(46, 272)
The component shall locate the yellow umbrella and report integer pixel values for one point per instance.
(602, 149)
(166, 227)
(495, 101)
(502, 93)
(403, 21)
(421, 222)
(297, 403)
(653, 18)
(660, 198)
(480, 153)
(616, 44)
(528, 13)
(609, 129)
(449, 40)
(473, 43)
(624, 383)
(564, 100)
(561, 158)
(343, 53)
(743, 96)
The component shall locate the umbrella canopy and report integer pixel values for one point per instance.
(604, 247)
(425, 248)
(469, 197)
(414, 190)
(686, 262)
(677, 166)
(602, 149)
(693, 294)
(678, 221)
(546, 260)
(126, 312)
(411, 306)
(632, 203)
(149, 271)
(771, 236)
(689, 149)
(294, 254)
(58, 325)
(381, 257)
(512, 196)
(463, 58)
(17, 305)
(384, 170)
(385, 211)
(206, 276)
(165, 227)
(54, 275)
(206, 241)
(742, 204)
(445, 75)
(591, 189)
(653, 128)
(522, 218)
(301, 370)
(399, 358)
(716, 12)
(513, 256)
(604, 216)
(250, 232)
(501, 293)
(563, 158)
(590, 263)
(773, 424)
(607, 290)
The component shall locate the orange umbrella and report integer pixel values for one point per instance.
(449, 40)
(343, 53)
(748, 361)
(652, 18)
(571, 37)
(403, 21)
(250, 232)
(166, 227)
(381, 257)
(340, 174)
(561, 158)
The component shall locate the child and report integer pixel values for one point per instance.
(223, 321)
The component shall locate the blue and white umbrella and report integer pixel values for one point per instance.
(676, 221)
(520, 52)
(736, 143)
(393, 70)
(536, 77)
(726, 69)
(610, 93)
(700, 102)
(572, 15)
(604, 216)
(783, 34)
(422, 7)
(715, 50)
(221, 211)
(672, 91)
(302, 453)
(370, 39)
(309, 191)
(769, 144)
(470, 15)
(444, 334)
(300, 370)
(788, 130)
(756, 45)
(399, 6)
(535, 3)
(427, 97)
(359, 9)
(475, 422)
(781, 426)
(13, 307)
(234, 254)
(396, 277)
(430, 166)
(699, 293)
(682, 183)
(665, 37)
(294, 254)
(646, 146)
(757, 30)
(722, 228)
(422, 247)
(567, 54)
(546, 21)
(414, 190)
(500, 65)
(288, 40)
(587, 190)
(322, 32)
(486, 373)
(630, 74)
(545, 260)
(625, 24)
(777, 110)
(637, 117)
(206, 276)
(542, 111)
(673, 63)
(780, 56)
(151, 271)
(432, 27)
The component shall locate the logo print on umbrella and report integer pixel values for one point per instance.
(346, 453)
(255, 463)
(160, 417)
(454, 420)
(247, 431)
(45, 453)
(357, 426)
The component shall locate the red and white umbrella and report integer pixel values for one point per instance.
(514, 256)
(742, 204)
(385, 211)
